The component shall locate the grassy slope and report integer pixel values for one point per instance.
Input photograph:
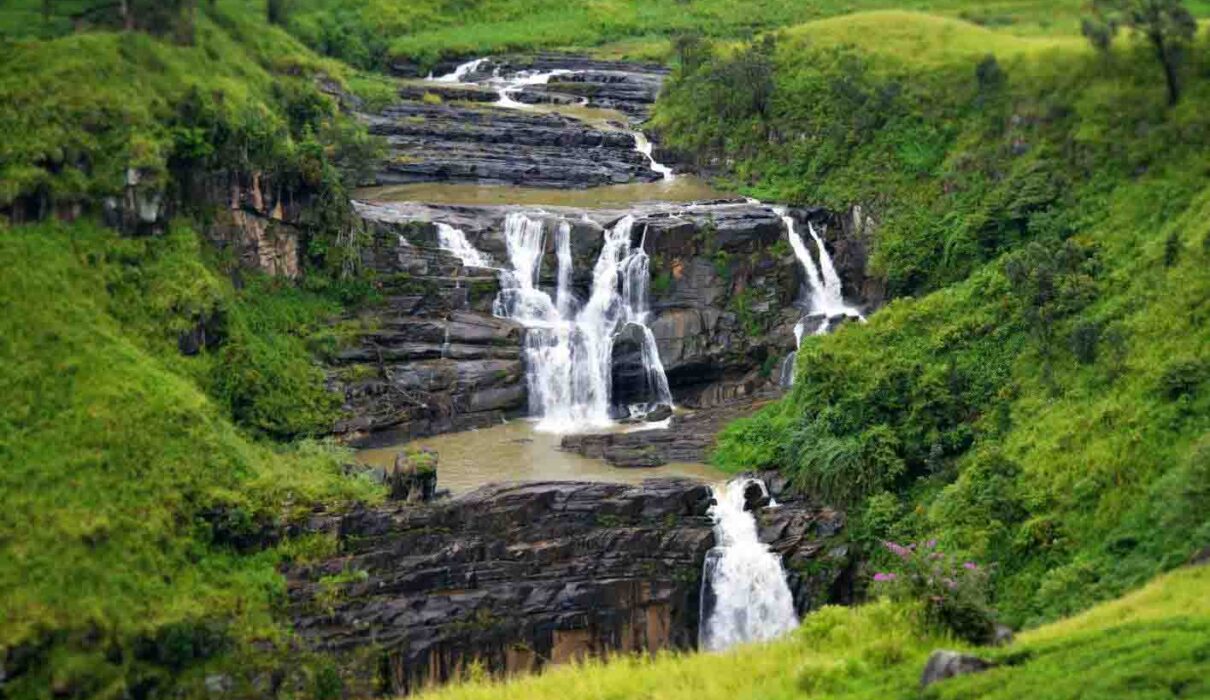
(125, 489)
(1152, 643)
(368, 31)
(136, 482)
(963, 410)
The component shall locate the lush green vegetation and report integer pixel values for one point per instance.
(375, 33)
(141, 525)
(146, 478)
(1149, 644)
(1038, 395)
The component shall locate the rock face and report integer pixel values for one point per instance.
(493, 145)
(690, 437)
(472, 141)
(431, 358)
(519, 576)
(943, 664)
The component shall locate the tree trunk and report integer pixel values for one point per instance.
(127, 15)
(1170, 62)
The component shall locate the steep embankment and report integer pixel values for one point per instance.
(1038, 394)
(144, 368)
(1151, 643)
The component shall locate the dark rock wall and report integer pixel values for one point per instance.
(520, 576)
(431, 358)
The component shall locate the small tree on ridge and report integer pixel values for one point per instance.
(1166, 24)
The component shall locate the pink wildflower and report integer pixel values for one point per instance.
(897, 549)
(884, 577)
(970, 566)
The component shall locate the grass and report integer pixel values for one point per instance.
(129, 501)
(1151, 643)
(374, 33)
(1036, 396)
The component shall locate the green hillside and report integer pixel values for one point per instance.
(1037, 393)
(1150, 644)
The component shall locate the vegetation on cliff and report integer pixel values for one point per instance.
(152, 391)
(1037, 394)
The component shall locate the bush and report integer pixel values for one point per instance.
(952, 596)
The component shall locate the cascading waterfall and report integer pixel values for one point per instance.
(644, 146)
(454, 240)
(823, 285)
(745, 597)
(459, 72)
(569, 353)
(506, 87)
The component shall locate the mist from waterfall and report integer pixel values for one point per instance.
(745, 597)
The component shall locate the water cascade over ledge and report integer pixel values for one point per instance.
(822, 296)
(568, 346)
(745, 597)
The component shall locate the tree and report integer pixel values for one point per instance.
(1166, 24)
(277, 11)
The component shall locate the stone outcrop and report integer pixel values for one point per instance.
(690, 437)
(449, 132)
(493, 145)
(430, 358)
(943, 664)
(519, 576)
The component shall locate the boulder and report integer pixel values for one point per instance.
(943, 664)
(414, 476)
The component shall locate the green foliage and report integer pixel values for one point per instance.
(951, 595)
(1166, 24)
(126, 482)
(1035, 389)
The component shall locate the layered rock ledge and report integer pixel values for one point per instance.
(520, 576)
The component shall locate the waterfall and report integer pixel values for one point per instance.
(823, 284)
(745, 597)
(460, 72)
(507, 87)
(563, 294)
(454, 240)
(644, 146)
(569, 354)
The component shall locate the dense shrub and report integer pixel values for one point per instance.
(952, 595)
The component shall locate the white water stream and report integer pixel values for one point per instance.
(569, 350)
(745, 597)
(507, 87)
(824, 296)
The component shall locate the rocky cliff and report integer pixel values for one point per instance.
(520, 576)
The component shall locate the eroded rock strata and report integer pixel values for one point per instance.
(433, 359)
(520, 576)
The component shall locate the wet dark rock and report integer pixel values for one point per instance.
(690, 437)
(520, 576)
(492, 145)
(414, 476)
(755, 496)
(659, 413)
(943, 664)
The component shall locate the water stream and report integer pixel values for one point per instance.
(823, 295)
(745, 597)
(569, 350)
